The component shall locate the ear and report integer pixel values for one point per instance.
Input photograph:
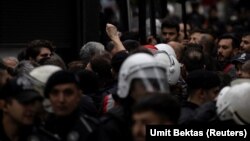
(4, 105)
(201, 93)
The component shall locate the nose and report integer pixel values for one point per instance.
(138, 129)
(219, 50)
(61, 97)
(239, 73)
(167, 36)
(191, 40)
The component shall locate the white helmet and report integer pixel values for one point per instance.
(240, 104)
(40, 75)
(172, 65)
(167, 48)
(144, 67)
(235, 103)
(222, 104)
(239, 81)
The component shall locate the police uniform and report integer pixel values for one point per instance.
(75, 127)
(29, 133)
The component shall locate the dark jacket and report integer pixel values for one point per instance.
(187, 113)
(75, 127)
(114, 126)
(28, 133)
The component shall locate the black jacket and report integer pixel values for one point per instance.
(28, 133)
(75, 127)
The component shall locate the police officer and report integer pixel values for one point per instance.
(67, 122)
(18, 118)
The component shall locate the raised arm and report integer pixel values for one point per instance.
(113, 34)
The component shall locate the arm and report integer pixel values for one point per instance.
(113, 34)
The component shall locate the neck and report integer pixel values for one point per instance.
(11, 129)
(194, 99)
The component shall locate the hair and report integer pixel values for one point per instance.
(25, 66)
(110, 46)
(22, 55)
(76, 66)
(233, 37)
(101, 65)
(197, 30)
(141, 49)
(88, 81)
(202, 79)
(91, 49)
(225, 79)
(246, 34)
(131, 45)
(60, 77)
(54, 60)
(170, 23)
(117, 60)
(130, 36)
(35, 46)
(207, 41)
(163, 105)
(193, 58)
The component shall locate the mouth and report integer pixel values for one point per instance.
(220, 57)
(61, 108)
(30, 116)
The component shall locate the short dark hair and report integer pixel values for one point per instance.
(61, 77)
(110, 46)
(235, 39)
(197, 30)
(101, 65)
(164, 105)
(54, 60)
(170, 23)
(88, 81)
(131, 45)
(118, 59)
(246, 34)
(202, 79)
(35, 46)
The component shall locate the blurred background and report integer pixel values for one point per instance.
(70, 24)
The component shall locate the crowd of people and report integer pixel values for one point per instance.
(114, 90)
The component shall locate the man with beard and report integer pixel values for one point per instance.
(169, 30)
(245, 43)
(227, 47)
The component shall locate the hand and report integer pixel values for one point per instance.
(112, 31)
